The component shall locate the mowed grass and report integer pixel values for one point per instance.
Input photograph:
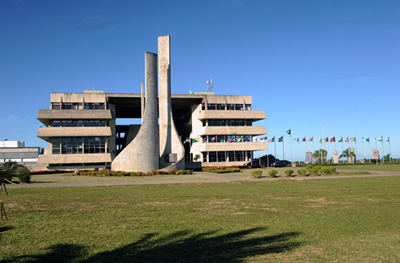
(371, 167)
(335, 220)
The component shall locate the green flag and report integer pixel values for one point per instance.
(288, 131)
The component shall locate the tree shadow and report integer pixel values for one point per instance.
(181, 246)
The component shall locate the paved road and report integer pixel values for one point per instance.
(207, 178)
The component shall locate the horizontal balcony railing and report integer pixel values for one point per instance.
(233, 146)
(45, 116)
(46, 133)
(232, 114)
(233, 130)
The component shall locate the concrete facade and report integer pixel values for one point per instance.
(173, 130)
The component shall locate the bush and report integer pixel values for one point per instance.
(256, 173)
(273, 173)
(314, 170)
(309, 167)
(289, 173)
(302, 172)
(328, 170)
(23, 174)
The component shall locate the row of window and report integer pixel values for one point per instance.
(235, 122)
(77, 106)
(79, 123)
(228, 156)
(223, 106)
(78, 145)
(226, 138)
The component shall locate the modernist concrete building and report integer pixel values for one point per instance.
(15, 151)
(173, 131)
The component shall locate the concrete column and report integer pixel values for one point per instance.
(142, 154)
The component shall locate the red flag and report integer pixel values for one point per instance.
(347, 139)
(304, 139)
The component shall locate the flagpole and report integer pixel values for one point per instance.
(283, 147)
(298, 146)
(355, 143)
(342, 148)
(369, 151)
(275, 148)
(390, 156)
(362, 142)
(291, 159)
(383, 152)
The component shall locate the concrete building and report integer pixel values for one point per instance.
(173, 131)
(15, 151)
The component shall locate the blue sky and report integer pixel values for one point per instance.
(304, 62)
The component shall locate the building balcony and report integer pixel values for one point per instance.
(233, 130)
(255, 115)
(46, 116)
(46, 133)
(234, 146)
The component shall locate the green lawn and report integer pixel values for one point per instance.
(372, 167)
(336, 220)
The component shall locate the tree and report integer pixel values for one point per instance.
(348, 154)
(318, 154)
(387, 158)
(5, 176)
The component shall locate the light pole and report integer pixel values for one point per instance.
(322, 141)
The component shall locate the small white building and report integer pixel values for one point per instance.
(15, 151)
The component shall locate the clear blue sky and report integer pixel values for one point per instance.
(304, 62)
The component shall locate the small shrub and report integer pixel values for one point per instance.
(23, 174)
(256, 173)
(309, 167)
(325, 170)
(314, 171)
(273, 173)
(302, 172)
(289, 173)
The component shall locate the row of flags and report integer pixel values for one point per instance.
(333, 139)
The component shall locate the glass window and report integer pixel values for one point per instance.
(56, 145)
(239, 138)
(221, 157)
(203, 106)
(231, 156)
(249, 155)
(238, 156)
(247, 138)
(204, 123)
(56, 124)
(248, 106)
(212, 138)
(212, 157)
(230, 106)
(205, 157)
(220, 106)
(55, 105)
(231, 138)
(249, 123)
(239, 106)
(211, 106)
(221, 138)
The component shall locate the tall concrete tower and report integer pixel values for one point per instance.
(142, 154)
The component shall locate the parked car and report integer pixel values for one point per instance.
(282, 163)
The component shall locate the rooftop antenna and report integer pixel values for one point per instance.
(210, 87)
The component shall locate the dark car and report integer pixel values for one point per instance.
(282, 163)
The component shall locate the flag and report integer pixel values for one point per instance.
(362, 139)
(247, 138)
(387, 139)
(375, 139)
(187, 140)
(195, 139)
(353, 139)
(320, 140)
(212, 139)
(231, 138)
(311, 139)
(380, 138)
(239, 139)
(255, 139)
(281, 139)
(341, 139)
(326, 139)
(304, 139)
(333, 139)
(367, 140)
(297, 139)
(272, 139)
(289, 131)
(205, 139)
(222, 139)
(347, 139)
(263, 139)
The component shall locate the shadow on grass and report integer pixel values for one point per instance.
(180, 246)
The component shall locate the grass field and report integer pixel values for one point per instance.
(372, 167)
(346, 220)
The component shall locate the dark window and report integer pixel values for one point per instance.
(249, 123)
(211, 106)
(212, 138)
(221, 138)
(56, 145)
(212, 157)
(248, 106)
(93, 106)
(249, 155)
(230, 106)
(220, 106)
(231, 138)
(238, 156)
(221, 157)
(213, 122)
(204, 157)
(231, 156)
(203, 106)
(204, 123)
(239, 106)
(56, 124)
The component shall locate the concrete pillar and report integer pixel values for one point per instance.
(142, 154)
(142, 100)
